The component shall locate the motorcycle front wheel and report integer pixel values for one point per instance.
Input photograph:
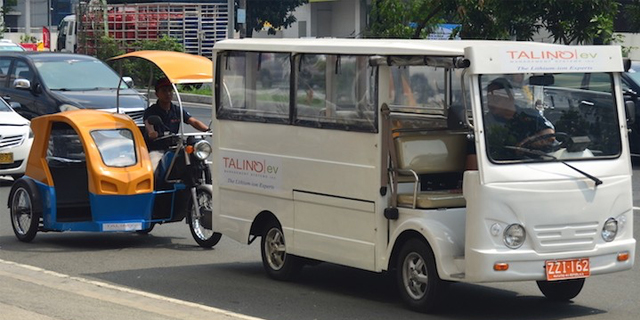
(199, 219)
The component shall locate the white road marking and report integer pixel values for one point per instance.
(128, 297)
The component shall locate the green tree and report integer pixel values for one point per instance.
(276, 12)
(579, 21)
(404, 19)
(568, 21)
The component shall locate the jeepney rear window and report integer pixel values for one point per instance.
(545, 117)
(116, 147)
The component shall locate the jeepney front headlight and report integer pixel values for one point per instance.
(610, 230)
(202, 149)
(514, 236)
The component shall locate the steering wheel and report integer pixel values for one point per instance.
(560, 137)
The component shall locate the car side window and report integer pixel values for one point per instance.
(5, 63)
(21, 71)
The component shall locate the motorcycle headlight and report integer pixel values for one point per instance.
(610, 230)
(514, 236)
(68, 107)
(202, 150)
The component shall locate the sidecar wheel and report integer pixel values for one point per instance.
(205, 237)
(25, 216)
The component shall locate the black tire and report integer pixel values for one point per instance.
(562, 290)
(24, 210)
(417, 278)
(201, 232)
(276, 262)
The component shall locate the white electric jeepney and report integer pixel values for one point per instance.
(439, 161)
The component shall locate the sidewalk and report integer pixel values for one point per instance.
(32, 293)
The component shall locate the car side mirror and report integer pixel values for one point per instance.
(22, 84)
(630, 108)
(154, 120)
(15, 105)
(128, 81)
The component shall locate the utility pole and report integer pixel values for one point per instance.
(231, 20)
(242, 18)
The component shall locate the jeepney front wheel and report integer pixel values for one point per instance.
(199, 219)
(417, 278)
(25, 216)
(276, 261)
(561, 290)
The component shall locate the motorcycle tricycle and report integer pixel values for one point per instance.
(92, 171)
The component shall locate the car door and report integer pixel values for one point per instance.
(26, 97)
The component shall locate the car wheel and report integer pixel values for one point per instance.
(276, 261)
(25, 219)
(562, 290)
(420, 286)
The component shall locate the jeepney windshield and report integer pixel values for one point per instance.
(545, 117)
(116, 147)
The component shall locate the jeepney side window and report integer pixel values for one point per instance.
(116, 147)
(254, 86)
(335, 92)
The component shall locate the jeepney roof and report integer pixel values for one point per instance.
(179, 67)
(486, 56)
(367, 46)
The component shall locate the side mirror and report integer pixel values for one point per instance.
(630, 108)
(15, 105)
(22, 84)
(128, 81)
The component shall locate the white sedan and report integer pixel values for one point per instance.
(15, 142)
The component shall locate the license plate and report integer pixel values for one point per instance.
(6, 157)
(567, 269)
(131, 226)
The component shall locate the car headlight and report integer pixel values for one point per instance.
(68, 107)
(514, 236)
(202, 149)
(610, 230)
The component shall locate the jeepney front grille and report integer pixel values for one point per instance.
(11, 141)
(136, 115)
(552, 238)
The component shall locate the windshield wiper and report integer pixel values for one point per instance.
(543, 154)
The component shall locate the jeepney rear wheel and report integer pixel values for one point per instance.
(278, 264)
(25, 219)
(417, 278)
(561, 290)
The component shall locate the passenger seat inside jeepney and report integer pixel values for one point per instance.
(432, 154)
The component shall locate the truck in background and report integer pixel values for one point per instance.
(197, 26)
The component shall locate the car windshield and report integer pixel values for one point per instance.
(11, 47)
(4, 107)
(76, 75)
(116, 147)
(545, 117)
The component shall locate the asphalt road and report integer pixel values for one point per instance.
(168, 262)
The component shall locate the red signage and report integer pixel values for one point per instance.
(46, 37)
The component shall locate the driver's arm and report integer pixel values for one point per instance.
(536, 140)
(197, 124)
(151, 131)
